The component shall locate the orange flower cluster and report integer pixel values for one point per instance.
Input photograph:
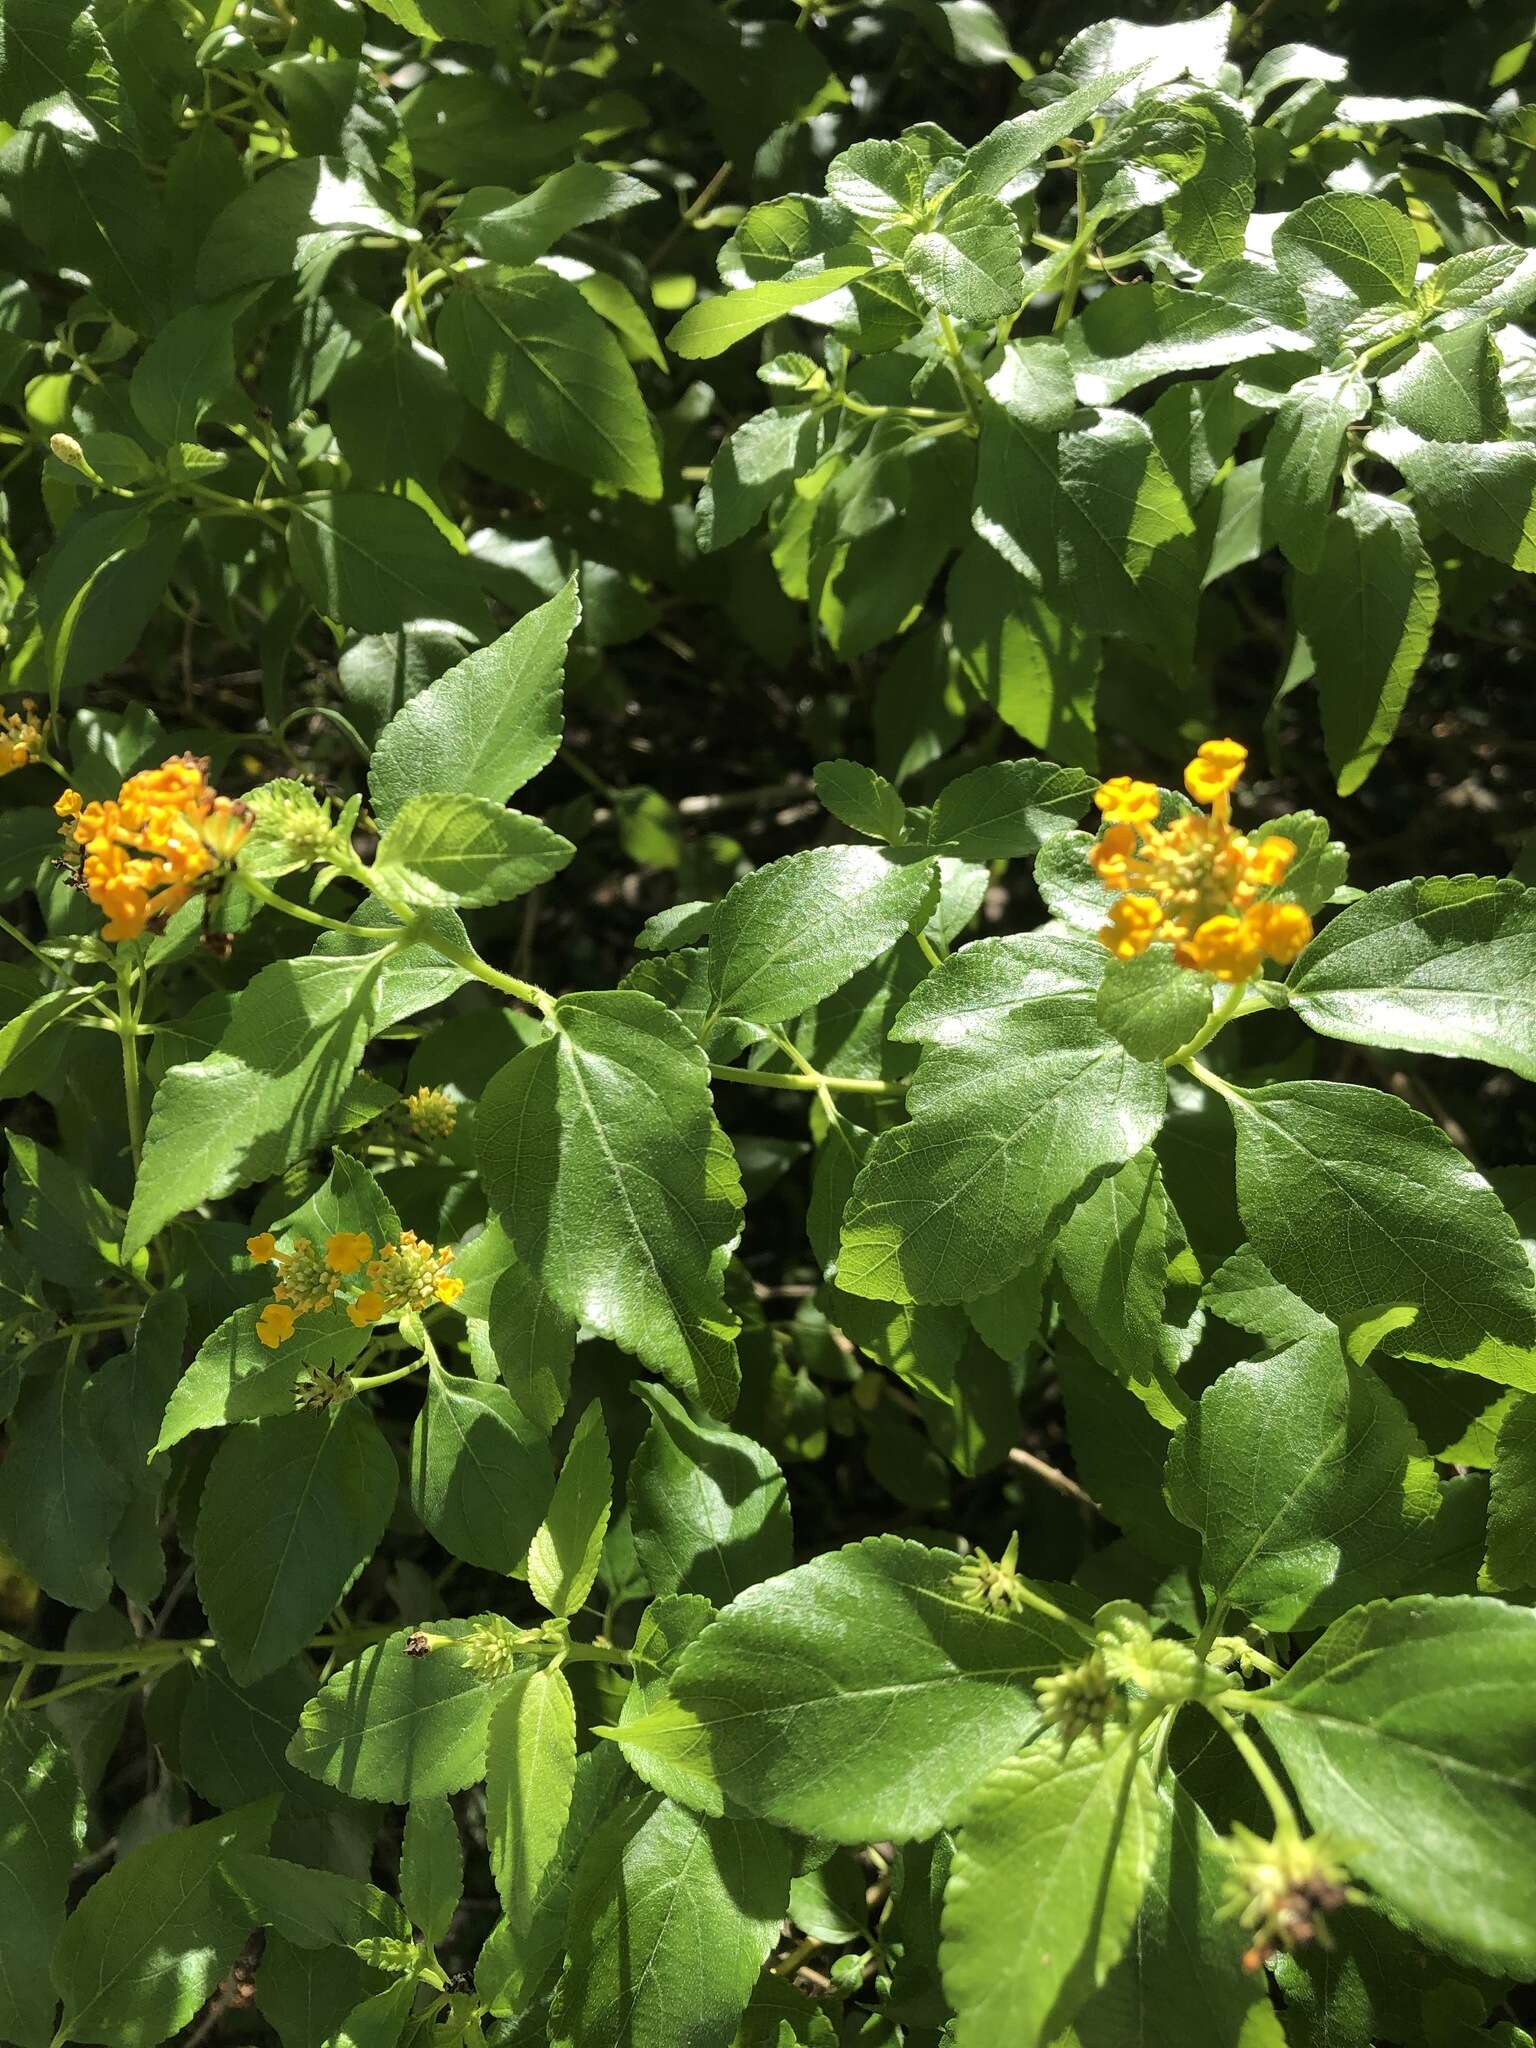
(21, 736)
(410, 1274)
(148, 849)
(1199, 884)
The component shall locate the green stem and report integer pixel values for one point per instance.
(306, 916)
(509, 984)
(1204, 1075)
(53, 966)
(128, 1035)
(1274, 1792)
(1077, 262)
(928, 949)
(807, 1084)
(1220, 1016)
(387, 1379)
(957, 357)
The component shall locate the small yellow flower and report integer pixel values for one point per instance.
(1216, 769)
(275, 1324)
(412, 1273)
(305, 1280)
(1283, 929)
(1133, 924)
(1126, 802)
(367, 1308)
(262, 1247)
(69, 804)
(1227, 947)
(21, 736)
(448, 1290)
(347, 1250)
(1270, 861)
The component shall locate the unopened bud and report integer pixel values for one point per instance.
(68, 449)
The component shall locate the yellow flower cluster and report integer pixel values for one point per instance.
(1199, 884)
(431, 1113)
(148, 849)
(410, 1274)
(21, 736)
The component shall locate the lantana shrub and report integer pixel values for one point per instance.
(889, 1401)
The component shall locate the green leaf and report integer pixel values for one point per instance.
(600, 1153)
(431, 1867)
(235, 1377)
(292, 1510)
(487, 726)
(60, 1496)
(1443, 966)
(481, 1476)
(714, 325)
(1448, 390)
(530, 1768)
(394, 411)
(1302, 454)
(708, 1509)
(1512, 1501)
(1181, 1978)
(1321, 1164)
(271, 1092)
(42, 1832)
(1007, 810)
(1112, 1254)
(1425, 1707)
(751, 468)
(313, 1908)
(1483, 491)
(792, 932)
(1321, 864)
(535, 359)
(151, 1939)
(395, 1726)
(1152, 1004)
(376, 562)
(671, 1918)
(1000, 159)
(187, 369)
(1367, 611)
(305, 1995)
(1128, 337)
(295, 220)
(1344, 251)
(1096, 518)
(859, 1697)
(231, 1739)
(464, 850)
(861, 799)
(1207, 218)
(1306, 1482)
(533, 1345)
(516, 231)
(1014, 1115)
(878, 180)
(60, 1222)
(1070, 1840)
(565, 1551)
(969, 265)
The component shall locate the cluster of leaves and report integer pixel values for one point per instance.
(614, 1654)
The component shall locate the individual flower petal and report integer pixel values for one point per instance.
(1125, 801)
(262, 1247)
(275, 1324)
(347, 1250)
(1132, 926)
(1216, 768)
(367, 1308)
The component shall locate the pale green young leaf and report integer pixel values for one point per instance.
(681, 1768)
(1444, 966)
(1512, 1501)
(395, 1726)
(672, 1916)
(42, 1832)
(1344, 250)
(531, 354)
(860, 1697)
(792, 932)
(1011, 1120)
(564, 1553)
(292, 1509)
(1448, 390)
(151, 1939)
(376, 562)
(1000, 160)
(708, 1508)
(751, 467)
(1007, 810)
(1321, 1163)
(1129, 337)
(1070, 1841)
(1321, 864)
(1302, 455)
(1427, 1708)
(431, 1866)
(269, 1094)
(1306, 1482)
(1367, 611)
(530, 1768)
(480, 1475)
(487, 726)
(878, 180)
(445, 850)
(714, 325)
(600, 1153)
